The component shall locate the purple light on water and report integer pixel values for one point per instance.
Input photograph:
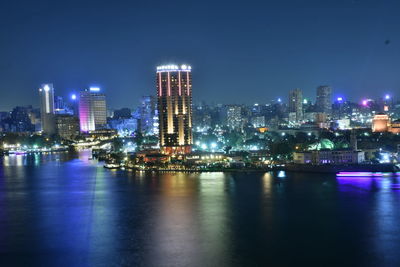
(359, 174)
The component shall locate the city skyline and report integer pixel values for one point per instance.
(252, 46)
(312, 97)
(199, 133)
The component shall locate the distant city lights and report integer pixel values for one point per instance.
(94, 89)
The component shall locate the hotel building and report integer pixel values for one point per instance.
(92, 110)
(174, 91)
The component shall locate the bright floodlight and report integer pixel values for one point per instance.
(365, 102)
(387, 97)
(46, 87)
(94, 89)
(340, 99)
(73, 96)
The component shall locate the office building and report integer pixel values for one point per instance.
(296, 104)
(67, 126)
(324, 99)
(258, 121)
(92, 110)
(234, 117)
(148, 115)
(174, 91)
(46, 92)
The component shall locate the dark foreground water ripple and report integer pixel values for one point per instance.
(60, 210)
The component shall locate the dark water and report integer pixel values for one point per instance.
(59, 211)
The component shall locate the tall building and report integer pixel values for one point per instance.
(258, 121)
(174, 91)
(324, 99)
(92, 110)
(296, 103)
(234, 117)
(46, 92)
(148, 115)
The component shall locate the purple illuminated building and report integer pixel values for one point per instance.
(92, 110)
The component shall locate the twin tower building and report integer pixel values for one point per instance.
(174, 92)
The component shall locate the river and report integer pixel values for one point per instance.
(65, 210)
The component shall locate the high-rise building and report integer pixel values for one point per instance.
(324, 99)
(234, 117)
(148, 115)
(46, 92)
(258, 121)
(92, 110)
(174, 91)
(296, 103)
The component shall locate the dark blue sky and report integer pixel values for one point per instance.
(241, 51)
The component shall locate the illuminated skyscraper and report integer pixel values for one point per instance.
(46, 92)
(296, 103)
(324, 99)
(148, 115)
(234, 117)
(174, 91)
(92, 110)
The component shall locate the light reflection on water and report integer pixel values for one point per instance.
(66, 210)
(382, 195)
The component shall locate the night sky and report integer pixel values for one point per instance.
(240, 51)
